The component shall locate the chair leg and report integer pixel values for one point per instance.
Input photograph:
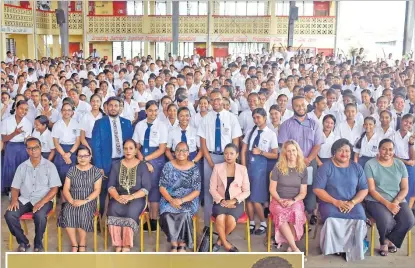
(158, 236)
(194, 234)
(248, 235)
(372, 239)
(59, 239)
(10, 242)
(210, 235)
(95, 233)
(306, 238)
(409, 243)
(141, 234)
(269, 234)
(46, 236)
(25, 228)
(105, 235)
(148, 224)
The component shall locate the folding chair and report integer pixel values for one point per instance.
(194, 234)
(29, 216)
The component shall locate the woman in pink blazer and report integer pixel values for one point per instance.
(229, 187)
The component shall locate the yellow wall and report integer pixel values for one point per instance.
(103, 8)
(21, 41)
(103, 49)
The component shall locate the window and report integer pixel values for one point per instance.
(161, 7)
(305, 8)
(135, 8)
(11, 45)
(242, 8)
(255, 8)
(244, 49)
(203, 8)
(282, 8)
(193, 8)
(127, 49)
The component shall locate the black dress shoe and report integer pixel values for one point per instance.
(313, 219)
(233, 249)
(216, 247)
(261, 230)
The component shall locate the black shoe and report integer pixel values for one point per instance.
(153, 225)
(266, 212)
(98, 226)
(216, 247)
(233, 249)
(313, 219)
(261, 230)
(252, 228)
(145, 227)
(23, 247)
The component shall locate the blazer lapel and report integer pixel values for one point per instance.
(222, 174)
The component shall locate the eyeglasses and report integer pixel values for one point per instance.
(182, 151)
(33, 148)
(84, 156)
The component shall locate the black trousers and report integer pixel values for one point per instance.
(391, 227)
(39, 218)
(310, 202)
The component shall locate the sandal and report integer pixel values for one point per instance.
(181, 249)
(23, 247)
(79, 248)
(392, 249)
(252, 228)
(38, 250)
(173, 248)
(118, 249)
(261, 230)
(126, 249)
(383, 253)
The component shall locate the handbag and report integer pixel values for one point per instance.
(205, 241)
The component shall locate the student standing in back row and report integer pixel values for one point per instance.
(213, 141)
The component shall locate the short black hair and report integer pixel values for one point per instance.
(33, 139)
(340, 143)
(272, 262)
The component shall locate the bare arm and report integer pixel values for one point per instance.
(157, 153)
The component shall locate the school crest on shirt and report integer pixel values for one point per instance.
(374, 148)
(226, 130)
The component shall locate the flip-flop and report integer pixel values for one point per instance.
(383, 253)
(392, 249)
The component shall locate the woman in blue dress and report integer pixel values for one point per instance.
(341, 186)
(180, 184)
(258, 147)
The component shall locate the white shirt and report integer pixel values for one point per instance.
(377, 93)
(314, 116)
(325, 148)
(169, 125)
(119, 131)
(343, 130)
(130, 109)
(175, 137)
(246, 121)
(87, 123)
(194, 92)
(15, 90)
(369, 148)
(33, 111)
(230, 129)
(46, 140)
(66, 134)
(118, 83)
(145, 97)
(196, 120)
(82, 109)
(401, 144)
(158, 133)
(384, 135)
(267, 141)
(364, 110)
(155, 94)
(287, 114)
(243, 104)
(54, 114)
(9, 125)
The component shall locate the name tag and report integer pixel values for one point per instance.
(74, 131)
(226, 130)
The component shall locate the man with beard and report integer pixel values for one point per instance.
(113, 129)
(309, 135)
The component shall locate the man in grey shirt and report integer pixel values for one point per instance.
(36, 181)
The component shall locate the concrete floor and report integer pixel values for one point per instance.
(258, 244)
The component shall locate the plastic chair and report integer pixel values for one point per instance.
(372, 239)
(194, 234)
(29, 216)
(144, 216)
(97, 216)
(243, 219)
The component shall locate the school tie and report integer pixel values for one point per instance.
(117, 138)
(218, 146)
(398, 120)
(256, 140)
(147, 138)
(184, 139)
(411, 108)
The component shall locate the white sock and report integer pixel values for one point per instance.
(252, 223)
(264, 223)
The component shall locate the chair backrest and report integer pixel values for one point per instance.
(270, 196)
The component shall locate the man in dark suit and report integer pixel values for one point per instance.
(108, 136)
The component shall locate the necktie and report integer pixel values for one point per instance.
(256, 141)
(398, 120)
(411, 108)
(117, 138)
(146, 144)
(218, 146)
(184, 139)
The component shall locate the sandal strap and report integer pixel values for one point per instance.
(173, 247)
(181, 247)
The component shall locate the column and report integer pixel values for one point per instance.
(273, 25)
(409, 32)
(85, 46)
(175, 27)
(210, 18)
(64, 28)
(35, 46)
(2, 34)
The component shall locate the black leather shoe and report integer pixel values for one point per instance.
(261, 230)
(233, 249)
(313, 219)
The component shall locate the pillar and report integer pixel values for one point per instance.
(291, 25)
(2, 34)
(210, 25)
(273, 26)
(64, 29)
(85, 45)
(175, 29)
(35, 39)
(409, 31)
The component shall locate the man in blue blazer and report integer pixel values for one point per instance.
(108, 136)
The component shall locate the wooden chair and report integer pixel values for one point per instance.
(29, 216)
(244, 219)
(144, 216)
(97, 216)
(269, 230)
(372, 239)
(194, 234)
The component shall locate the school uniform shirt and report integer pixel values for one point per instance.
(130, 109)
(341, 117)
(286, 92)
(118, 83)
(401, 144)
(234, 107)
(408, 105)
(325, 148)
(175, 137)
(377, 92)
(156, 94)
(274, 129)
(267, 141)
(246, 121)
(195, 120)
(343, 130)
(66, 134)
(194, 92)
(169, 125)
(394, 121)
(120, 141)
(243, 104)
(7, 112)
(33, 111)
(230, 128)
(9, 125)
(384, 135)
(54, 114)
(145, 97)
(287, 115)
(88, 93)
(161, 116)
(87, 123)
(364, 110)
(46, 140)
(312, 115)
(369, 148)
(158, 133)
(82, 109)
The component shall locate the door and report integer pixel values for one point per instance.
(220, 54)
(74, 47)
(201, 51)
(326, 51)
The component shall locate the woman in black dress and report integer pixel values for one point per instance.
(128, 185)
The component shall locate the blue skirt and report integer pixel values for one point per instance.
(45, 155)
(362, 160)
(158, 164)
(60, 164)
(411, 182)
(258, 178)
(14, 154)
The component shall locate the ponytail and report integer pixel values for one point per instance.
(358, 144)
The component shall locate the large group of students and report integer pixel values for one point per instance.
(283, 134)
